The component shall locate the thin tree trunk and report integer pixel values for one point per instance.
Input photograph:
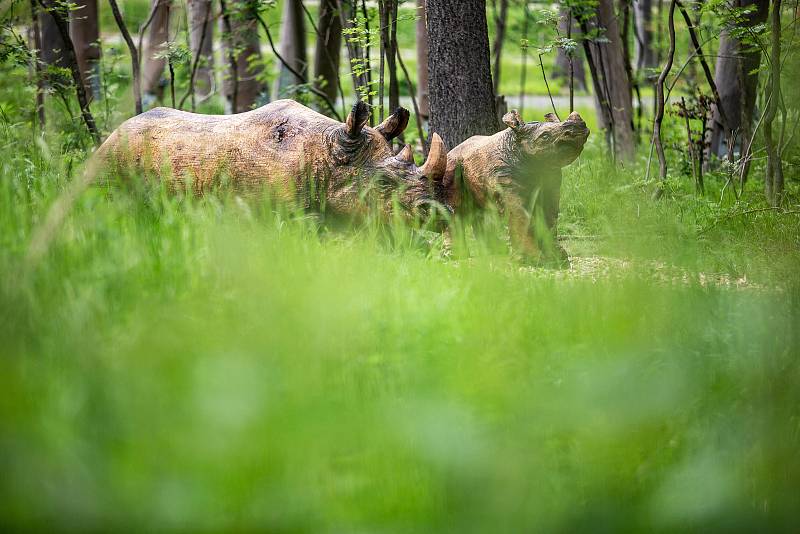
(497, 46)
(292, 49)
(706, 69)
(603, 112)
(565, 63)
(462, 96)
(201, 43)
(244, 44)
(643, 32)
(137, 92)
(231, 81)
(736, 77)
(84, 30)
(659, 115)
(328, 49)
(157, 34)
(774, 182)
(391, 59)
(610, 58)
(62, 25)
(422, 61)
(37, 65)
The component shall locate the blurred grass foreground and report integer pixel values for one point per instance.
(221, 364)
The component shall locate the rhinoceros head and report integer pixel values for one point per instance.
(552, 143)
(358, 148)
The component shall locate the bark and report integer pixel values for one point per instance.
(292, 49)
(497, 47)
(85, 33)
(37, 64)
(242, 88)
(328, 49)
(423, 94)
(643, 29)
(201, 43)
(561, 69)
(392, 52)
(462, 97)
(736, 78)
(52, 44)
(774, 182)
(614, 82)
(69, 57)
(659, 117)
(157, 34)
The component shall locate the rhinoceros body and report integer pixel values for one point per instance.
(283, 146)
(512, 166)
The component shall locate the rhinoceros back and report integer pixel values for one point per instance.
(266, 146)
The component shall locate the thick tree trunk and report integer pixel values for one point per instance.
(643, 28)
(246, 48)
(562, 67)
(84, 29)
(157, 34)
(462, 97)
(328, 49)
(423, 49)
(292, 48)
(615, 84)
(201, 42)
(736, 77)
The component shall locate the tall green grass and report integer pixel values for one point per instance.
(223, 364)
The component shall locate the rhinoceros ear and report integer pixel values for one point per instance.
(513, 119)
(395, 124)
(551, 117)
(357, 118)
(436, 164)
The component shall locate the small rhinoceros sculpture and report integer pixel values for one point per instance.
(283, 146)
(514, 167)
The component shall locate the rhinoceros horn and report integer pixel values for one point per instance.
(357, 119)
(436, 165)
(406, 155)
(513, 119)
(395, 124)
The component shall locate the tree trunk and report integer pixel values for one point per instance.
(157, 34)
(462, 97)
(736, 77)
(643, 28)
(773, 183)
(201, 42)
(423, 94)
(61, 23)
(126, 36)
(246, 49)
(497, 46)
(52, 45)
(292, 48)
(567, 26)
(84, 30)
(328, 49)
(615, 85)
(36, 46)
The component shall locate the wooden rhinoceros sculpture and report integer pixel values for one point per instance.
(514, 168)
(284, 147)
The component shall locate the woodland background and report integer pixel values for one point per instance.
(219, 363)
